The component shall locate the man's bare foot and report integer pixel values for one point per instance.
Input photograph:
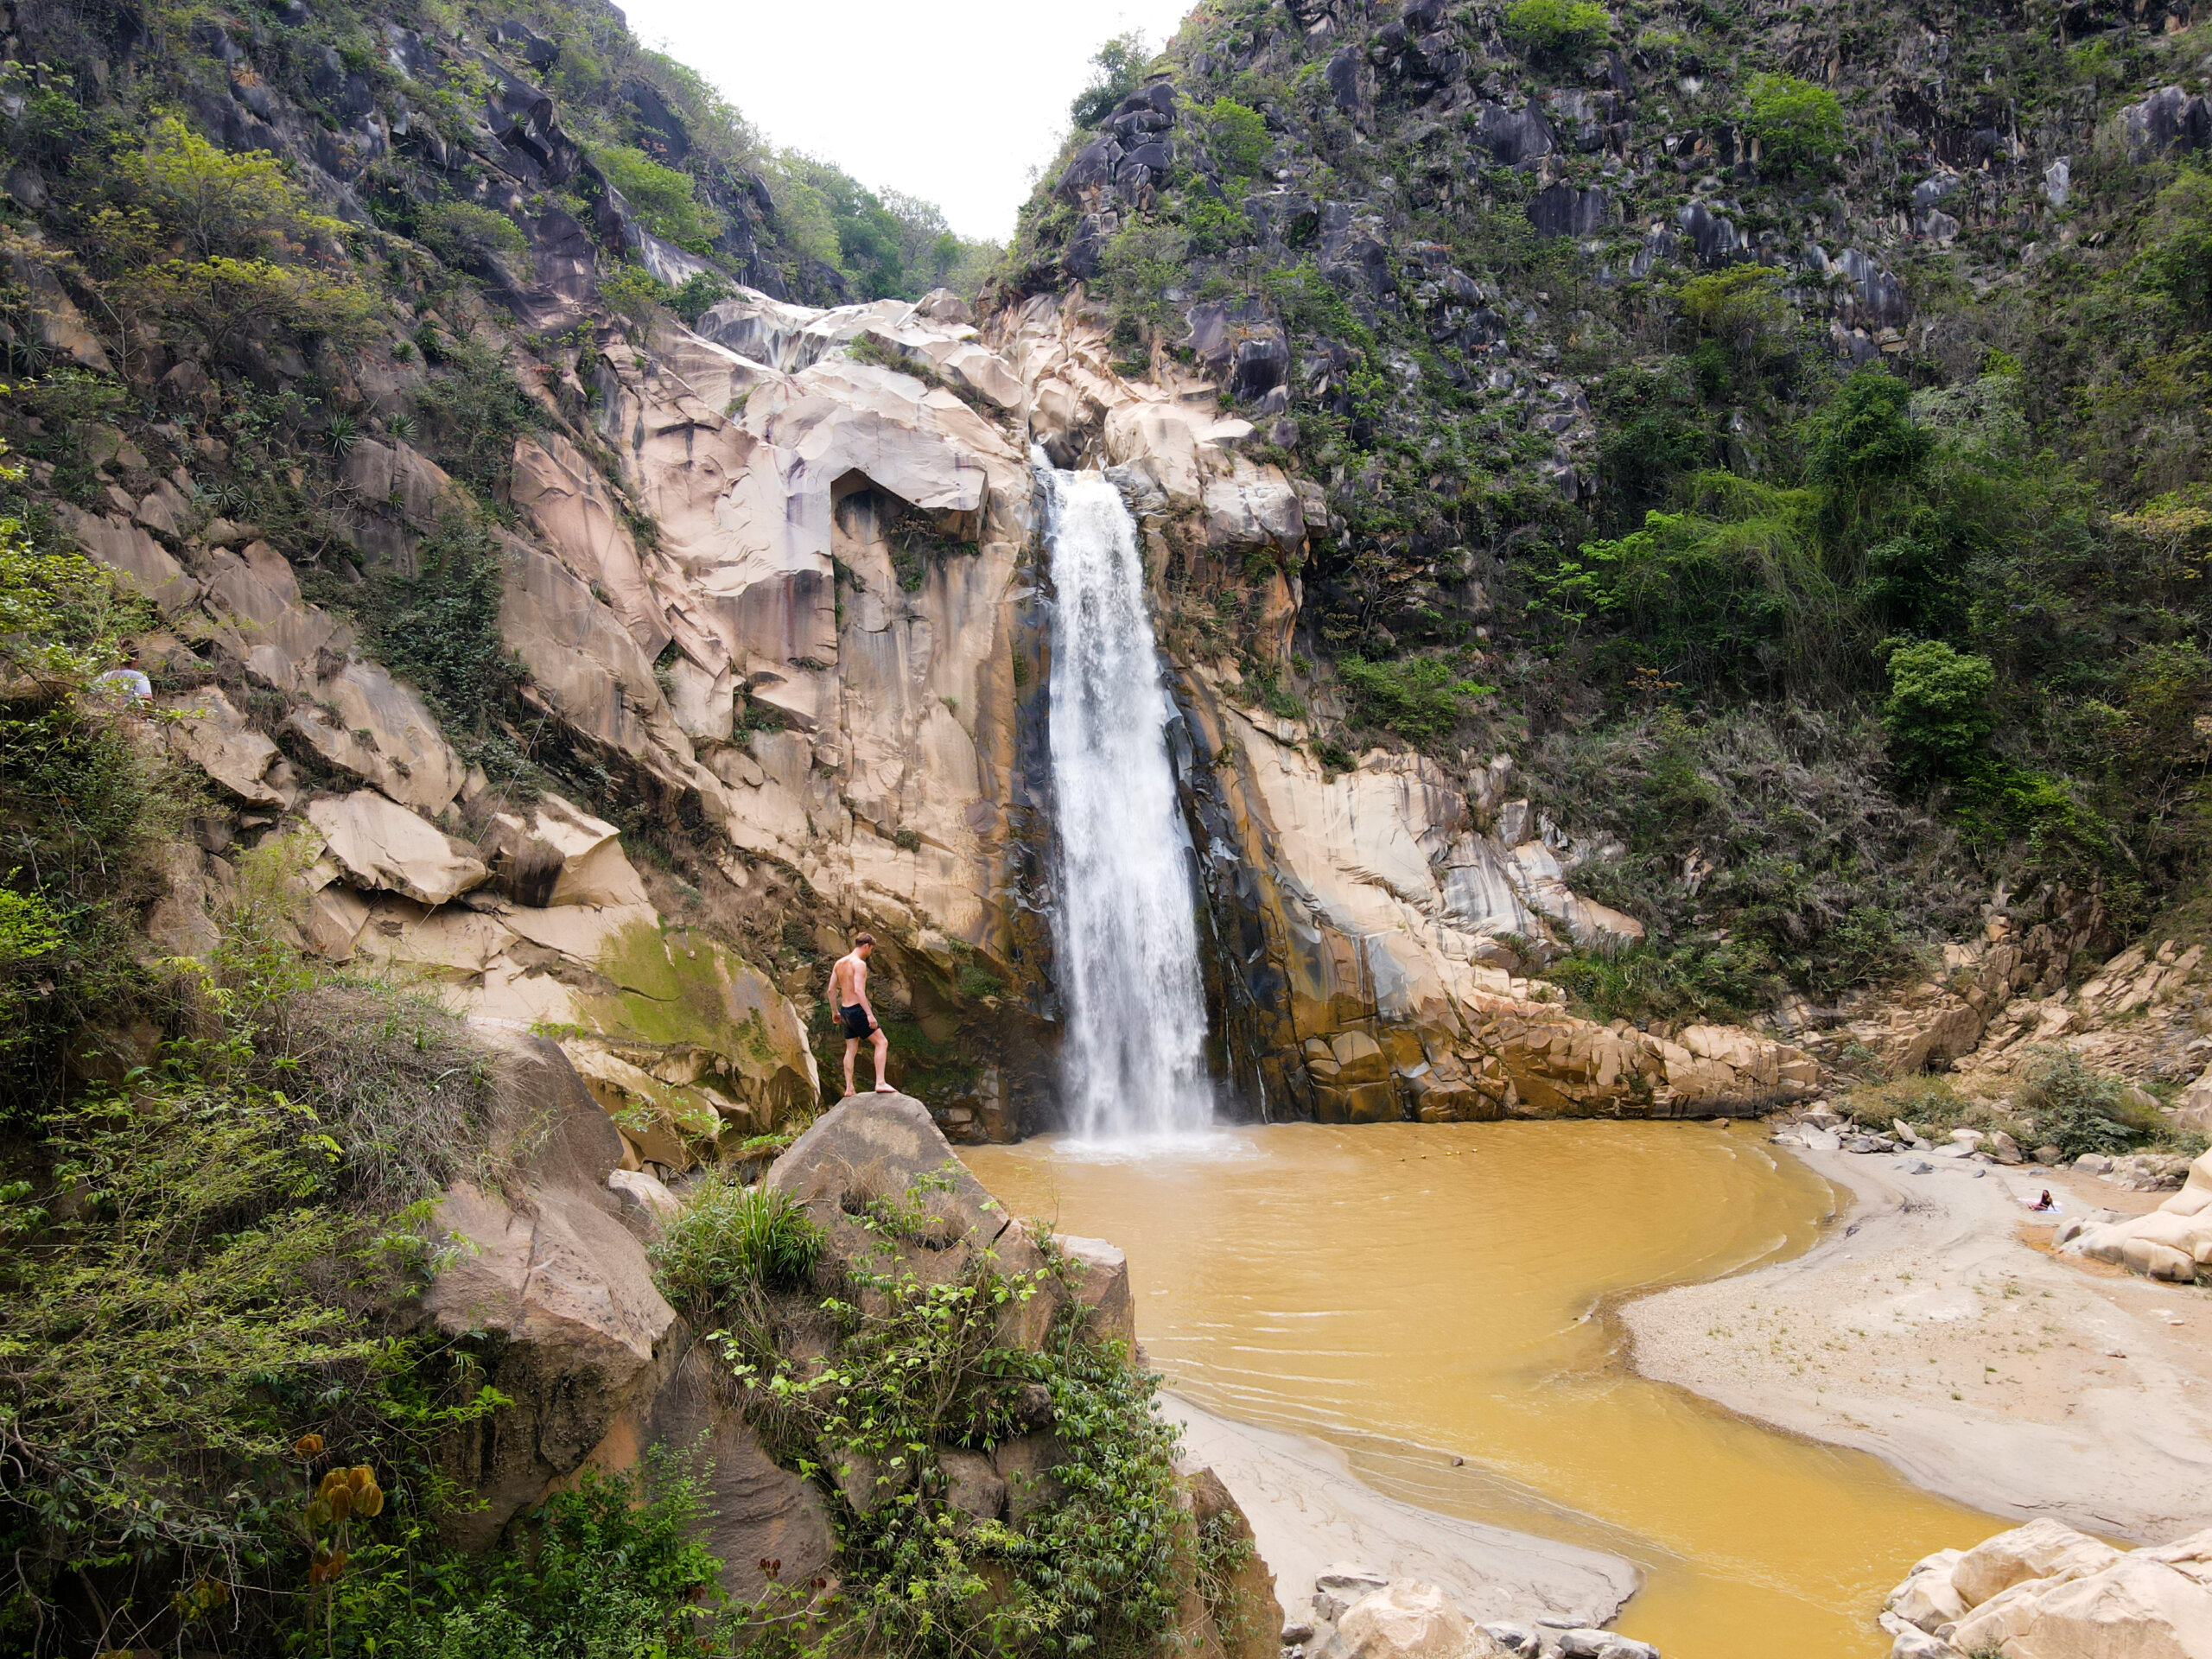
(884, 1089)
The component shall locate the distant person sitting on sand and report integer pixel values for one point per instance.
(2043, 1203)
(849, 996)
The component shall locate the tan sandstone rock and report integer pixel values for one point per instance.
(380, 844)
(2173, 1241)
(1408, 1620)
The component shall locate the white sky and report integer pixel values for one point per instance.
(950, 101)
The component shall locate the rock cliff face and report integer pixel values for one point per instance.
(777, 577)
(830, 651)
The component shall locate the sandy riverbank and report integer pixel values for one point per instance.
(1310, 1511)
(1933, 1327)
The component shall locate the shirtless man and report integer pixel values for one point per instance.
(849, 996)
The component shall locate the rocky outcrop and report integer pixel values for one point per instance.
(2173, 1241)
(2046, 1592)
(548, 1276)
(1358, 1614)
(1375, 936)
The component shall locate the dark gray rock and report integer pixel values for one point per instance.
(2169, 119)
(1091, 171)
(1716, 241)
(1346, 83)
(1564, 210)
(1514, 137)
(532, 48)
(661, 132)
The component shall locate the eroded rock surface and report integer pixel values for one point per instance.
(2046, 1592)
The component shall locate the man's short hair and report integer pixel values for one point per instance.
(865, 939)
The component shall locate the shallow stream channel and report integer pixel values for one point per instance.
(1416, 1293)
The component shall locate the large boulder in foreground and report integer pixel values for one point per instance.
(876, 1173)
(546, 1277)
(2046, 1592)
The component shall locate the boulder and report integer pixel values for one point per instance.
(766, 1522)
(552, 1274)
(885, 1152)
(2046, 1592)
(1247, 1617)
(381, 845)
(1927, 1599)
(211, 732)
(1098, 1273)
(2174, 1242)
(142, 563)
(1408, 1619)
(383, 734)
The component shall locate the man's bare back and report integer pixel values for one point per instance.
(855, 1015)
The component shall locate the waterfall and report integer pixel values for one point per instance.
(1124, 927)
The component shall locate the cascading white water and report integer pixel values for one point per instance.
(1124, 929)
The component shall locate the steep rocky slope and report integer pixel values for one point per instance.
(1501, 280)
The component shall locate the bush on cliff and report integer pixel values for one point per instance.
(1090, 1565)
(612, 1569)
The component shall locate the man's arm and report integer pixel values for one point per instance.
(860, 990)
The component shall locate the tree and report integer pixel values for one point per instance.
(216, 202)
(227, 300)
(1117, 69)
(1938, 710)
(1798, 126)
(663, 198)
(1556, 28)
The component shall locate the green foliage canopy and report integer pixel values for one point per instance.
(1938, 711)
(1555, 28)
(1798, 125)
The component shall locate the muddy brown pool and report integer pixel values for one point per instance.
(1414, 1293)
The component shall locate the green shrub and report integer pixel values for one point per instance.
(1938, 712)
(218, 203)
(1092, 1570)
(440, 627)
(1733, 590)
(473, 410)
(2079, 1110)
(1422, 699)
(225, 301)
(663, 198)
(1555, 28)
(1116, 70)
(636, 293)
(460, 232)
(1700, 980)
(1799, 126)
(1238, 136)
(702, 291)
(733, 1241)
(613, 1568)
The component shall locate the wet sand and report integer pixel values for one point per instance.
(1934, 1328)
